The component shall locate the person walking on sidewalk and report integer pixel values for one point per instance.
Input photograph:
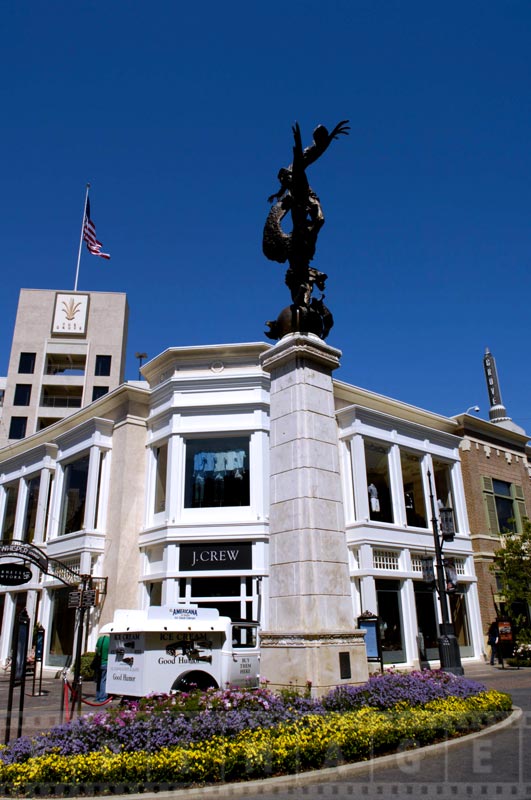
(102, 655)
(493, 639)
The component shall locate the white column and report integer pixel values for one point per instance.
(42, 504)
(100, 522)
(21, 508)
(347, 482)
(397, 486)
(89, 520)
(7, 626)
(259, 473)
(359, 478)
(409, 617)
(56, 502)
(458, 493)
(3, 502)
(369, 600)
(312, 636)
(175, 478)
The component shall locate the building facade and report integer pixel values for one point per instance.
(400, 466)
(160, 491)
(497, 476)
(68, 350)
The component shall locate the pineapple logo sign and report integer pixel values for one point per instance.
(70, 309)
(70, 314)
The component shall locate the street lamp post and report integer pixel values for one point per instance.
(449, 654)
(141, 357)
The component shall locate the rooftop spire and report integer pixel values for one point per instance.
(497, 411)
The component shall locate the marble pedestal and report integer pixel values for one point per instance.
(311, 635)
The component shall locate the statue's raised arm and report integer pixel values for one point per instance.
(322, 140)
(295, 196)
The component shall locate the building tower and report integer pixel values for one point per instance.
(497, 411)
(68, 350)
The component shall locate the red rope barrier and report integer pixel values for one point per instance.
(103, 703)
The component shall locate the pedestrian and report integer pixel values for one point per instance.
(102, 655)
(493, 640)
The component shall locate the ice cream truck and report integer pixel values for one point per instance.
(165, 649)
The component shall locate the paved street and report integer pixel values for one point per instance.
(494, 765)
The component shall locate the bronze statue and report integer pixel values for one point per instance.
(306, 313)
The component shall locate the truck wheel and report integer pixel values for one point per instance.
(194, 680)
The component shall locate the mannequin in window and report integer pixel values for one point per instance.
(199, 488)
(200, 465)
(373, 498)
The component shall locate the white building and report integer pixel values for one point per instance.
(163, 490)
(391, 454)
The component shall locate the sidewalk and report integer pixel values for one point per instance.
(40, 712)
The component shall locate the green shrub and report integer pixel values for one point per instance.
(87, 672)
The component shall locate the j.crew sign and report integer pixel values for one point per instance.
(229, 555)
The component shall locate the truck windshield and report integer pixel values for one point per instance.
(244, 636)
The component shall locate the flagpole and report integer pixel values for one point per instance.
(81, 237)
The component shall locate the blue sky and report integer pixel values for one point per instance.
(180, 115)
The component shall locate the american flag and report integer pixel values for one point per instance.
(89, 235)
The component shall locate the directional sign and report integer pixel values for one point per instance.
(82, 599)
(74, 599)
(89, 598)
(14, 574)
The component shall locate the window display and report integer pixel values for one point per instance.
(390, 614)
(161, 456)
(74, 495)
(443, 487)
(413, 490)
(378, 484)
(217, 472)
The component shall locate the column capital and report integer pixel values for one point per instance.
(307, 346)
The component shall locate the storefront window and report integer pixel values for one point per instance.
(217, 472)
(413, 490)
(443, 486)
(161, 471)
(216, 587)
(11, 497)
(232, 596)
(74, 495)
(390, 613)
(61, 639)
(378, 483)
(460, 619)
(155, 593)
(31, 509)
(426, 620)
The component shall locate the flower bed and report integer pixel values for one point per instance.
(238, 735)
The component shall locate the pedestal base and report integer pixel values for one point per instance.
(319, 661)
